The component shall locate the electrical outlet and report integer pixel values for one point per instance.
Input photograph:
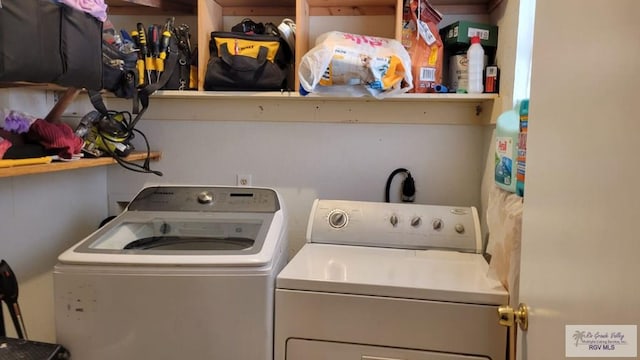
(243, 179)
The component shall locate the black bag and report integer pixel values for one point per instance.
(119, 73)
(45, 42)
(122, 78)
(247, 62)
(107, 132)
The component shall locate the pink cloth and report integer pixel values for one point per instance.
(4, 145)
(95, 8)
(56, 136)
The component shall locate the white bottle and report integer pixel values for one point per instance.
(475, 59)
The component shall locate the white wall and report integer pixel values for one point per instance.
(308, 160)
(40, 216)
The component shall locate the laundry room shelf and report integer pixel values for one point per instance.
(72, 165)
(186, 94)
(190, 6)
(148, 7)
(450, 109)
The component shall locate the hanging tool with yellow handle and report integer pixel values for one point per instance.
(140, 61)
(142, 40)
(164, 47)
(153, 39)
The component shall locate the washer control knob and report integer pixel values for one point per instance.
(437, 224)
(394, 220)
(338, 219)
(416, 221)
(205, 197)
(459, 228)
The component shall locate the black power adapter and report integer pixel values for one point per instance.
(408, 185)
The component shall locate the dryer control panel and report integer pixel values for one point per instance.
(395, 225)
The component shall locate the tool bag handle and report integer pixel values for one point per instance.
(226, 56)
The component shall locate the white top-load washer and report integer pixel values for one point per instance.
(185, 272)
(389, 281)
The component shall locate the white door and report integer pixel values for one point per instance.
(581, 220)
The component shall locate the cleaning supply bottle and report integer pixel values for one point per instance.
(475, 60)
(522, 145)
(506, 149)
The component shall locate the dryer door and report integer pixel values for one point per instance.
(299, 349)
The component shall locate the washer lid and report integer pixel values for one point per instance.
(182, 238)
(415, 274)
(189, 225)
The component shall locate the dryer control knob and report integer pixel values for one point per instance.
(416, 221)
(205, 197)
(459, 228)
(437, 224)
(338, 219)
(393, 220)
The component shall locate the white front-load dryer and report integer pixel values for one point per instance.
(185, 272)
(389, 281)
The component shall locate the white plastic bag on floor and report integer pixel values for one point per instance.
(356, 65)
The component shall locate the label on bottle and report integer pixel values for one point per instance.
(491, 79)
(522, 147)
(504, 160)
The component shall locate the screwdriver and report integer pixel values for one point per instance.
(154, 46)
(164, 46)
(142, 39)
(140, 61)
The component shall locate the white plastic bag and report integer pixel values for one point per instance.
(504, 220)
(356, 65)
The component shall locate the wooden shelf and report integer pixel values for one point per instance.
(294, 96)
(151, 7)
(450, 109)
(30, 85)
(71, 165)
(261, 7)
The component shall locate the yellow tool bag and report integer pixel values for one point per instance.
(247, 62)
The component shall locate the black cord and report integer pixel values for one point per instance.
(123, 135)
(408, 186)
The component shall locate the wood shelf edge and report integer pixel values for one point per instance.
(293, 96)
(151, 7)
(72, 165)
